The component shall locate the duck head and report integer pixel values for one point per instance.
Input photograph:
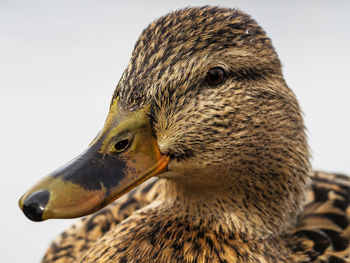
(203, 104)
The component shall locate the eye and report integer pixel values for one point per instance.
(121, 146)
(215, 76)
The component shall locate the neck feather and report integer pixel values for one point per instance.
(255, 206)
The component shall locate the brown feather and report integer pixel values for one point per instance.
(238, 187)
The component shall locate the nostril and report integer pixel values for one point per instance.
(34, 205)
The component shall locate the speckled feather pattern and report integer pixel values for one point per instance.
(239, 176)
(321, 234)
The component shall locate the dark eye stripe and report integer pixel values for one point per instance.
(246, 74)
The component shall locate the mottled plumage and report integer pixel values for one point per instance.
(320, 235)
(238, 187)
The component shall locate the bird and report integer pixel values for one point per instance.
(203, 158)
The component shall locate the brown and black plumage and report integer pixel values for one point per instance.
(235, 182)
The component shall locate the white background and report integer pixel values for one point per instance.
(60, 61)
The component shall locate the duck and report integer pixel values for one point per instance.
(203, 157)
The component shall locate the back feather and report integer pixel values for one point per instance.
(322, 233)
